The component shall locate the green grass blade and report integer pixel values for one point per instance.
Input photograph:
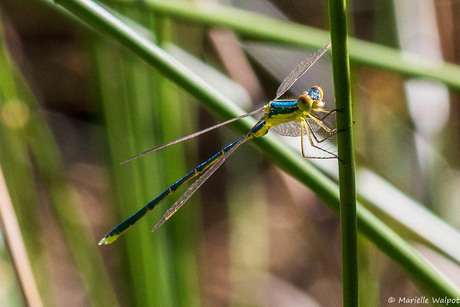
(341, 72)
(142, 109)
(12, 236)
(410, 217)
(171, 113)
(18, 175)
(37, 146)
(130, 128)
(256, 26)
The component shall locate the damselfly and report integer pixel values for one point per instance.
(289, 117)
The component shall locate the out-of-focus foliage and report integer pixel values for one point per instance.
(74, 104)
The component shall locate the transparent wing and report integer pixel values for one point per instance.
(288, 129)
(316, 142)
(293, 128)
(299, 71)
(196, 185)
(193, 135)
(319, 133)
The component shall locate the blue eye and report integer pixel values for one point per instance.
(314, 94)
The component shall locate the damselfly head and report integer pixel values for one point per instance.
(311, 99)
(316, 94)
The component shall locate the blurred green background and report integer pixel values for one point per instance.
(74, 104)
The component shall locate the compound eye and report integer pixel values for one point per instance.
(315, 93)
(304, 102)
(302, 99)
